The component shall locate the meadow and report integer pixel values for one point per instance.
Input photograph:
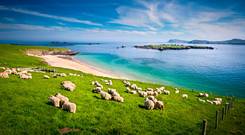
(24, 105)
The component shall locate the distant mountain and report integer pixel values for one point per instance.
(57, 43)
(232, 41)
(177, 41)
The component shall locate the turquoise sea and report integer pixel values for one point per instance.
(221, 70)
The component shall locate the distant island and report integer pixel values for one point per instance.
(162, 47)
(232, 41)
(57, 43)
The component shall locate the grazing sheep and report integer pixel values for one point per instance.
(139, 89)
(118, 98)
(54, 100)
(162, 88)
(4, 75)
(218, 99)
(25, 76)
(158, 91)
(109, 83)
(98, 84)
(9, 71)
(97, 90)
(62, 74)
(150, 93)
(69, 106)
(46, 77)
(211, 102)
(68, 85)
(201, 100)
(159, 105)
(62, 98)
(184, 96)
(149, 89)
(166, 92)
(143, 93)
(205, 95)
(133, 92)
(155, 93)
(105, 95)
(152, 98)
(128, 89)
(176, 91)
(127, 83)
(217, 102)
(134, 86)
(200, 94)
(149, 104)
(113, 92)
(14, 71)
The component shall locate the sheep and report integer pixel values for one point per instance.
(159, 105)
(62, 74)
(105, 95)
(46, 77)
(127, 83)
(54, 100)
(113, 92)
(133, 92)
(62, 98)
(25, 76)
(4, 75)
(216, 102)
(166, 92)
(97, 90)
(158, 91)
(68, 85)
(69, 106)
(201, 100)
(152, 98)
(205, 94)
(184, 96)
(118, 98)
(218, 99)
(211, 102)
(155, 93)
(149, 89)
(139, 89)
(162, 88)
(150, 93)
(149, 104)
(176, 91)
(134, 86)
(128, 89)
(142, 94)
(98, 84)
(14, 71)
(109, 83)
(9, 71)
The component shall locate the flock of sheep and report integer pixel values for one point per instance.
(63, 102)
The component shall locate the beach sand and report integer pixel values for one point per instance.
(72, 63)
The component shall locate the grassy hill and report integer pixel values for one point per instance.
(24, 105)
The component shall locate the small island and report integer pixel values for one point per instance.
(162, 47)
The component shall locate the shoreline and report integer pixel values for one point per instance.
(70, 62)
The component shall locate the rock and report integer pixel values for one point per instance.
(68, 85)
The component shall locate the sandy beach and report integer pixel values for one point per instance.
(72, 63)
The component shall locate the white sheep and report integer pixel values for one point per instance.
(201, 100)
(159, 105)
(127, 83)
(155, 93)
(149, 104)
(25, 76)
(184, 96)
(68, 85)
(97, 90)
(205, 95)
(62, 98)
(166, 92)
(69, 106)
(133, 92)
(46, 77)
(4, 75)
(134, 86)
(113, 92)
(159, 91)
(152, 98)
(105, 95)
(162, 88)
(118, 98)
(54, 100)
(150, 93)
(142, 93)
(209, 101)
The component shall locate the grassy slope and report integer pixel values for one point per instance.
(24, 108)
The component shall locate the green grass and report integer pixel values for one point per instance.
(24, 108)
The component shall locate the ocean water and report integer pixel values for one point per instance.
(221, 70)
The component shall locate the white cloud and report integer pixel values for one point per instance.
(62, 18)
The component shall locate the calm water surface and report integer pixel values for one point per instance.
(221, 70)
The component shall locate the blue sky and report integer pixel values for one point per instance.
(121, 20)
